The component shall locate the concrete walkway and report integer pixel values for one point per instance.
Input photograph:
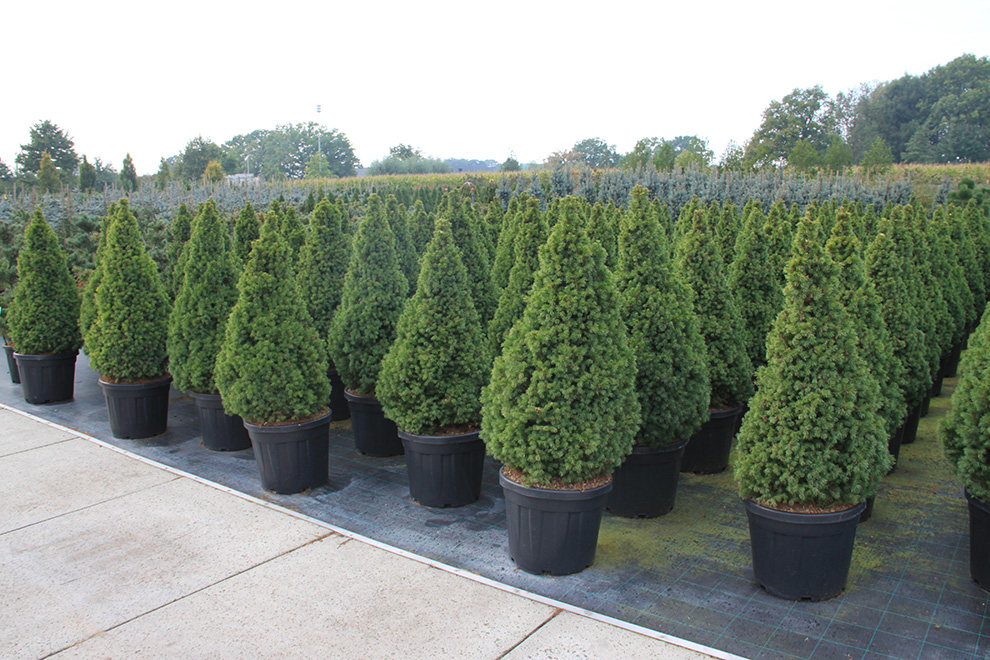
(106, 555)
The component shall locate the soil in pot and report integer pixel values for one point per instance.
(645, 485)
(444, 470)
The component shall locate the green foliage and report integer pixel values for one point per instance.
(128, 175)
(404, 250)
(412, 165)
(163, 175)
(127, 338)
(561, 403)
(505, 246)
(322, 266)
(878, 159)
(206, 292)
(47, 137)
(756, 284)
(838, 156)
(87, 307)
(87, 176)
(45, 309)
(247, 229)
(603, 226)
(948, 269)
(375, 289)
(292, 229)
(196, 156)
(271, 367)
(419, 226)
(965, 430)
(177, 236)
(803, 115)
(812, 435)
(699, 261)
(213, 173)
(596, 153)
(664, 331)
(285, 151)
(804, 156)
(47, 174)
(530, 233)
(432, 375)
(467, 234)
(510, 165)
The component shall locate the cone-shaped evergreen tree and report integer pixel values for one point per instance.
(664, 331)
(965, 430)
(431, 377)
(247, 229)
(45, 312)
(505, 251)
(603, 226)
(698, 260)
(419, 227)
(404, 250)
(781, 236)
(322, 267)
(727, 229)
(467, 235)
(530, 234)
(561, 405)
(178, 234)
(938, 331)
(858, 295)
(127, 339)
(292, 228)
(812, 436)
(363, 327)
(885, 270)
(946, 267)
(756, 285)
(87, 306)
(271, 367)
(969, 260)
(206, 294)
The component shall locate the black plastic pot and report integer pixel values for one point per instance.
(292, 457)
(444, 470)
(374, 433)
(868, 511)
(553, 532)
(952, 364)
(940, 376)
(707, 451)
(47, 378)
(926, 404)
(911, 425)
(220, 431)
(894, 446)
(338, 403)
(802, 556)
(979, 541)
(137, 410)
(645, 485)
(15, 375)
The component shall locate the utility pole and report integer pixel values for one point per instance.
(319, 138)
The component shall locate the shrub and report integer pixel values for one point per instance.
(323, 265)
(467, 235)
(812, 435)
(664, 331)
(561, 404)
(87, 306)
(247, 229)
(271, 367)
(375, 289)
(177, 236)
(127, 339)
(45, 308)
(206, 293)
(404, 250)
(432, 375)
(757, 286)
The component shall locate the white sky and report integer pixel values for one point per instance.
(455, 79)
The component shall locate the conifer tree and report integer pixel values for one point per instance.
(603, 226)
(363, 326)
(291, 226)
(177, 236)
(561, 404)
(778, 229)
(505, 250)
(664, 331)
(969, 260)
(87, 306)
(206, 293)
(432, 375)
(127, 338)
(128, 175)
(87, 175)
(48, 179)
(323, 265)
(756, 286)
(812, 435)
(44, 314)
(946, 267)
(162, 176)
(530, 234)
(404, 250)
(727, 229)
(473, 253)
(699, 261)
(419, 227)
(247, 229)
(271, 367)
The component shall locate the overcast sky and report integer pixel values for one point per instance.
(454, 79)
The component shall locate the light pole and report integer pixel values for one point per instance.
(319, 138)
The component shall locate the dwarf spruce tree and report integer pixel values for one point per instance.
(374, 291)
(505, 249)
(561, 404)
(946, 267)
(419, 226)
(205, 296)
(127, 338)
(756, 284)
(664, 331)
(178, 234)
(87, 306)
(727, 229)
(965, 430)
(404, 250)
(323, 265)
(603, 226)
(698, 260)
(812, 435)
(247, 229)
(432, 375)
(467, 235)
(45, 309)
(271, 367)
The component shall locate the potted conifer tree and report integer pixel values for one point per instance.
(560, 411)
(812, 446)
(126, 340)
(967, 445)
(363, 329)
(671, 373)
(206, 292)
(44, 325)
(431, 380)
(730, 372)
(272, 370)
(322, 266)
(8, 347)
